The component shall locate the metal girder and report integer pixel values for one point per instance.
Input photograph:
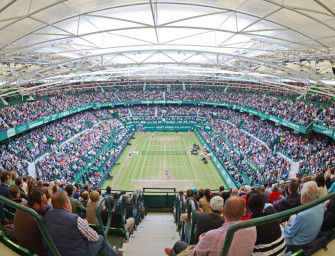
(252, 60)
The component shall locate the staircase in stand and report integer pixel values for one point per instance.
(156, 232)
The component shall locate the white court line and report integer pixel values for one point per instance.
(145, 158)
(188, 177)
(189, 158)
(138, 159)
(164, 158)
(164, 180)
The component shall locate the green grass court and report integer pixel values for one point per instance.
(164, 151)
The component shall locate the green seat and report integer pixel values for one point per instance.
(111, 231)
(8, 214)
(300, 252)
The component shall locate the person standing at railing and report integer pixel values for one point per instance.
(307, 224)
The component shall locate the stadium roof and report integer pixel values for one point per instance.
(268, 41)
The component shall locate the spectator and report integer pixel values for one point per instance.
(4, 187)
(269, 236)
(208, 221)
(200, 194)
(15, 196)
(129, 211)
(320, 182)
(205, 201)
(63, 225)
(84, 198)
(116, 218)
(303, 231)
(77, 207)
(92, 203)
(19, 183)
(274, 196)
(212, 242)
(108, 191)
(329, 217)
(292, 199)
(30, 236)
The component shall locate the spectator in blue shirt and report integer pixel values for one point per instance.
(307, 224)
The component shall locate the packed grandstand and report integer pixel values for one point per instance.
(254, 151)
(167, 127)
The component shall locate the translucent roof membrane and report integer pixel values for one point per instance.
(267, 39)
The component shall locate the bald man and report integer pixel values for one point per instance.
(211, 243)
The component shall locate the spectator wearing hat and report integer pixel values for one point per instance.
(195, 192)
(274, 196)
(208, 221)
(204, 223)
(92, 203)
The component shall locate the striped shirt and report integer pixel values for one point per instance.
(212, 243)
(277, 247)
(86, 230)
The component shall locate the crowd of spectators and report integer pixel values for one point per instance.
(13, 163)
(232, 162)
(143, 110)
(314, 151)
(188, 95)
(40, 140)
(272, 166)
(3, 125)
(172, 110)
(60, 163)
(25, 112)
(327, 117)
(278, 237)
(140, 95)
(272, 102)
(295, 111)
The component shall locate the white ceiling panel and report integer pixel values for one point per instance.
(270, 32)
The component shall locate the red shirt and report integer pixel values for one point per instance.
(274, 196)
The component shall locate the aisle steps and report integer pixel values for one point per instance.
(156, 232)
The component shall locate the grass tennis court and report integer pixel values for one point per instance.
(163, 152)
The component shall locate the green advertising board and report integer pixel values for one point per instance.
(324, 130)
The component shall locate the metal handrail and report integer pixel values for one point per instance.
(104, 231)
(267, 219)
(177, 210)
(191, 220)
(38, 220)
(183, 210)
(122, 205)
